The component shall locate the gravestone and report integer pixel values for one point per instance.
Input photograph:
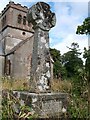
(44, 102)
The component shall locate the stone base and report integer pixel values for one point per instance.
(44, 104)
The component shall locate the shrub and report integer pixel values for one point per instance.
(12, 109)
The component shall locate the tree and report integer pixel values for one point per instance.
(58, 69)
(85, 27)
(71, 60)
(86, 55)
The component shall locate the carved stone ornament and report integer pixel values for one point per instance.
(41, 16)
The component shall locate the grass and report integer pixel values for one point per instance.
(61, 86)
(77, 107)
(10, 102)
(22, 84)
(14, 84)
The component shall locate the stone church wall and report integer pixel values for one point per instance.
(21, 60)
(18, 63)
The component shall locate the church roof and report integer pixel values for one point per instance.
(18, 45)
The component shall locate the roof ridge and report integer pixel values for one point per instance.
(18, 45)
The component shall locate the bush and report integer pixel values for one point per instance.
(12, 109)
(78, 96)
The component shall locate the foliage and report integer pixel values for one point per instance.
(61, 86)
(86, 55)
(59, 70)
(70, 65)
(11, 112)
(55, 54)
(78, 96)
(78, 101)
(14, 84)
(78, 107)
(71, 60)
(85, 27)
(76, 77)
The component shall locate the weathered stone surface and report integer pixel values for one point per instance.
(43, 20)
(44, 104)
(41, 16)
(15, 64)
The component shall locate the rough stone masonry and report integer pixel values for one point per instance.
(43, 20)
(45, 104)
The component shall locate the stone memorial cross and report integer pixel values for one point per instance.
(42, 20)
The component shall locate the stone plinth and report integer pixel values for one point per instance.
(46, 105)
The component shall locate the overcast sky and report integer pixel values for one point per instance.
(68, 16)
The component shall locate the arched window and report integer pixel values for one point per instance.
(24, 20)
(19, 19)
(7, 67)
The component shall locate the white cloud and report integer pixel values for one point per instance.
(69, 16)
(4, 2)
(82, 41)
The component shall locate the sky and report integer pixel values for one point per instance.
(69, 14)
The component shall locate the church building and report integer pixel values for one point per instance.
(16, 42)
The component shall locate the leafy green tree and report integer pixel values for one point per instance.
(59, 70)
(71, 60)
(55, 54)
(86, 55)
(85, 27)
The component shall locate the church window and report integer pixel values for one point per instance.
(8, 67)
(24, 20)
(19, 19)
